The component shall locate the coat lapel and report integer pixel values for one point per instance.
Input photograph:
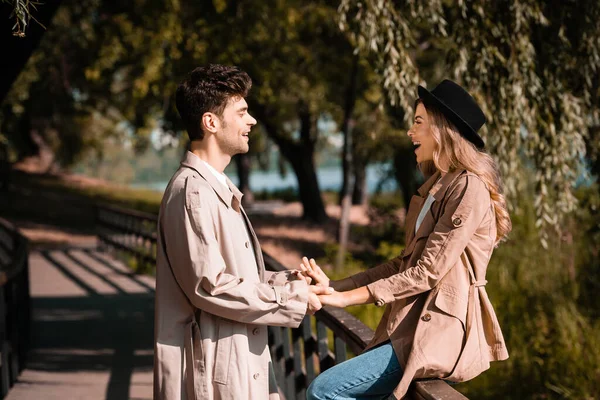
(227, 196)
(416, 203)
(436, 187)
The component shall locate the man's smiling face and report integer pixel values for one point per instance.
(233, 135)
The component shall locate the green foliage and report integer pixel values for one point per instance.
(532, 65)
(142, 200)
(383, 238)
(370, 315)
(287, 195)
(553, 342)
(135, 264)
(587, 249)
(22, 15)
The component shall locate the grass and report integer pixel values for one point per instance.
(138, 199)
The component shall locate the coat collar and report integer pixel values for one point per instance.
(231, 197)
(434, 186)
(439, 189)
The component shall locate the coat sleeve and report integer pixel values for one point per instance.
(200, 270)
(381, 271)
(466, 206)
(279, 278)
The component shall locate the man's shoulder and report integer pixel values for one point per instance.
(186, 178)
(187, 184)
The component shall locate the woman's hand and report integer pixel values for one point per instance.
(353, 297)
(335, 299)
(312, 270)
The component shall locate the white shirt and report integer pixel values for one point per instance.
(426, 206)
(220, 177)
(424, 211)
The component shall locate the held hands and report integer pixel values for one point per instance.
(335, 299)
(315, 294)
(310, 270)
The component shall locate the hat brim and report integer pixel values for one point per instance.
(463, 127)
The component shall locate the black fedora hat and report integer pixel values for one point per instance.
(458, 106)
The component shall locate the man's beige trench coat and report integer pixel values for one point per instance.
(438, 315)
(214, 298)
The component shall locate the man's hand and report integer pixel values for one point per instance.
(312, 270)
(300, 275)
(314, 295)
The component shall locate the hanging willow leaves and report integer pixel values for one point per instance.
(533, 65)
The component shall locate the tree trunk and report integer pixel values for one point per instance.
(308, 185)
(405, 168)
(242, 162)
(346, 131)
(347, 185)
(359, 192)
(301, 156)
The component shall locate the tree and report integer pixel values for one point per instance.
(110, 60)
(532, 65)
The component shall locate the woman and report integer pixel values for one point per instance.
(438, 321)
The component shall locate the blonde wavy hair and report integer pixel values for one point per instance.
(452, 151)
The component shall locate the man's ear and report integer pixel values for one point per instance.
(210, 122)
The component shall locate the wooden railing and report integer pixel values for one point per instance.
(15, 305)
(298, 354)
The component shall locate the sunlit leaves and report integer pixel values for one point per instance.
(532, 65)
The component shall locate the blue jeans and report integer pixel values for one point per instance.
(369, 376)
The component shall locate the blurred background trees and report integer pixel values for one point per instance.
(98, 94)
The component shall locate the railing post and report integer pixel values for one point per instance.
(25, 314)
(340, 349)
(325, 359)
(310, 349)
(299, 377)
(4, 348)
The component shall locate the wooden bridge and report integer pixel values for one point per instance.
(76, 323)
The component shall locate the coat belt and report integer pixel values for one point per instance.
(193, 354)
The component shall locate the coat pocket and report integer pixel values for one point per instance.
(440, 333)
(448, 301)
(223, 356)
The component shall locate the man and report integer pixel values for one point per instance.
(213, 295)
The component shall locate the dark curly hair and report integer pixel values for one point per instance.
(208, 89)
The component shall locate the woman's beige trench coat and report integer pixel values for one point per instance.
(213, 295)
(438, 316)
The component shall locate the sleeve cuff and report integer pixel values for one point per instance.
(293, 300)
(380, 293)
(281, 294)
(279, 278)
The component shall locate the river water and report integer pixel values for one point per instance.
(330, 178)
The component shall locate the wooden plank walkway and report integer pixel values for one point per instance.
(92, 325)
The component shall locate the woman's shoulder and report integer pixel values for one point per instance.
(468, 183)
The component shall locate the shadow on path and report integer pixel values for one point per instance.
(107, 329)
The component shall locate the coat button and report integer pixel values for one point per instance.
(457, 221)
(255, 331)
(379, 302)
(426, 317)
(256, 376)
(247, 244)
